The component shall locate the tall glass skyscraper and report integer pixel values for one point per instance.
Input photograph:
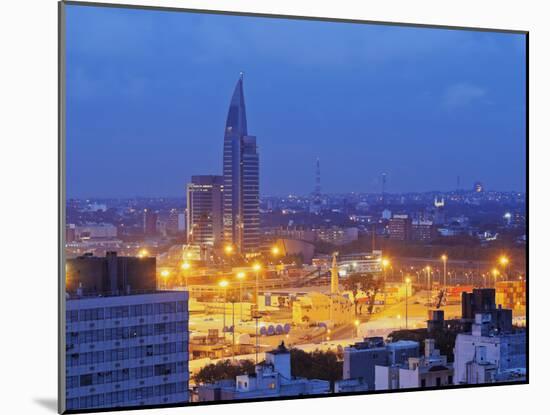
(241, 179)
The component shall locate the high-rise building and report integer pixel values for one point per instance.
(423, 230)
(400, 227)
(176, 222)
(204, 210)
(241, 196)
(124, 347)
(150, 220)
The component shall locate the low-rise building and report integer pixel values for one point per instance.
(317, 307)
(361, 359)
(487, 355)
(429, 370)
(271, 379)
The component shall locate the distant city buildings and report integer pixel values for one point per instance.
(337, 236)
(423, 231)
(400, 227)
(205, 210)
(150, 225)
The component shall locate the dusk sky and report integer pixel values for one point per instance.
(148, 94)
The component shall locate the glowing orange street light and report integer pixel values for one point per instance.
(143, 253)
(275, 250)
(164, 274)
(495, 273)
(407, 282)
(241, 276)
(228, 249)
(257, 267)
(504, 261)
(444, 259)
(186, 266)
(224, 284)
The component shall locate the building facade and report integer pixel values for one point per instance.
(270, 379)
(486, 355)
(150, 222)
(205, 210)
(110, 274)
(241, 179)
(400, 227)
(127, 350)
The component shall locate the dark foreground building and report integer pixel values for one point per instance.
(110, 274)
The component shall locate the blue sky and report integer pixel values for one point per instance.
(148, 94)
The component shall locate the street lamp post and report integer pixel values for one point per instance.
(504, 261)
(407, 282)
(256, 317)
(241, 276)
(164, 274)
(385, 264)
(444, 259)
(223, 284)
(495, 276)
(185, 267)
(233, 327)
(428, 285)
(257, 267)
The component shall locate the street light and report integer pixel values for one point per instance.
(504, 261)
(444, 259)
(385, 265)
(164, 274)
(257, 267)
(495, 275)
(275, 251)
(228, 249)
(429, 283)
(407, 282)
(224, 284)
(241, 276)
(185, 267)
(143, 253)
(356, 323)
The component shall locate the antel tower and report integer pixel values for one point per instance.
(241, 179)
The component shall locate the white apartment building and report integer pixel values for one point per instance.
(127, 350)
(484, 356)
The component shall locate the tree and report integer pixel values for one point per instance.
(363, 282)
(316, 365)
(223, 369)
(354, 283)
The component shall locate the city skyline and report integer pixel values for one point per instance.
(177, 115)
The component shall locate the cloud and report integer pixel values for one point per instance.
(462, 95)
